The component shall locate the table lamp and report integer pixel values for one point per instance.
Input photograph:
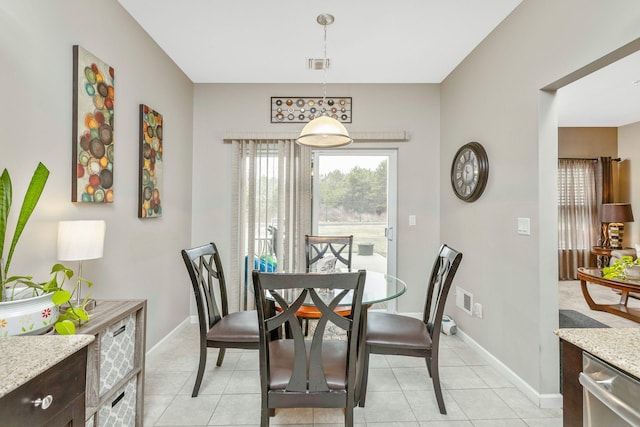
(80, 241)
(616, 214)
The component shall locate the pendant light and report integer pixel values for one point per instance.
(324, 131)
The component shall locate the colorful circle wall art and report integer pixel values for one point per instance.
(150, 189)
(304, 109)
(93, 115)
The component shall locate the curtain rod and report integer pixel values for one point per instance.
(617, 159)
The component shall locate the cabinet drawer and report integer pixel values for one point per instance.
(64, 382)
(117, 351)
(121, 409)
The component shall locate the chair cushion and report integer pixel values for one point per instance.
(241, 326)
(393, 330)
(334, 362)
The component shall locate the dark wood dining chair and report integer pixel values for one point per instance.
(317, 249)
(388, 333)
(218, 328)
(316, 373)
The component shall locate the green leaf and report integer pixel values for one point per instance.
(5, 206)
(80, 313)
(61, 297)
(65, 327)
(31, 197)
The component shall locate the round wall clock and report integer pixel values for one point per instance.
(469, 172)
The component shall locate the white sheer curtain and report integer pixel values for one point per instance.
(271, 209)
(578, 228)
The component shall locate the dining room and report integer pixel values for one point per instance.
(491, 94)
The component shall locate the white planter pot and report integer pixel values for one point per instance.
(27, 315)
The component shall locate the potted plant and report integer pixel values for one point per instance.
(625, 268)
(27, 307)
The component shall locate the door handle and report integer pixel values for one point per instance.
(388, 233)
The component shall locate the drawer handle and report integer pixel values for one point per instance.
(117, 399)
(119, 330)
(44, 402)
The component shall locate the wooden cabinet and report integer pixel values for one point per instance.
(61, 390)
(115, 367)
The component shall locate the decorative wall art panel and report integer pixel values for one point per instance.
(296, 109)
(93, 115)
(150, 188)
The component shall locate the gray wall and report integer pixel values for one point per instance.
(221, 108)
(494, 97)
(629, 151)
(141, 258)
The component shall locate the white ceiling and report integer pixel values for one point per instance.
(374, 41)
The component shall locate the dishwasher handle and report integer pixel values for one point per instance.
(613, 402)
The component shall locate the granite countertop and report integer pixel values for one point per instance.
(23, 358)
(617, 346)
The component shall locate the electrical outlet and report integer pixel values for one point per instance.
(477, 310)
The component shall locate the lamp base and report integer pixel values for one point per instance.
(615, 231)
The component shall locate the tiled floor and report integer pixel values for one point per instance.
(400, 392)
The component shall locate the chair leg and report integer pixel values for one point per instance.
(201, 366)
(221, 352)
(348, 416)
(435, 375)
(361, 392)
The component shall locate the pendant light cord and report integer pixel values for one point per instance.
(324, 70)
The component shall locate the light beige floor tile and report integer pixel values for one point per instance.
(154, 407)
(387, 407)
(405, 362)
(491, 376)
(460, 377)
(413, 378)
(188, 411)
(248, 361)
(482, 404)
(382, 380)
(293, 417)
(237, 409)
(449, 357)
(470, 356)
(454, 423)
(524, 407)
(213, 382)
(544, 422)
(243, 382)
(377, 361)
(331, 416)
(424, 405)
(516, 422)
(167, 383)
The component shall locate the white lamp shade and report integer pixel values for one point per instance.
(324, 131)
(80, 240)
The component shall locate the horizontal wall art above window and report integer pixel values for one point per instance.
(300, 109)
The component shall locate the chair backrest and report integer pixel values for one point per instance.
(205, 271)
(442, 274)
(316, 247)
(290, 291)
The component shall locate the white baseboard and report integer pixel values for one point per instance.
(547, 400)
(170, 334)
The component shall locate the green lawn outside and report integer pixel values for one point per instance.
(362, 233)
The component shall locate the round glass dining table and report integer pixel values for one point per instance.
(378, 287)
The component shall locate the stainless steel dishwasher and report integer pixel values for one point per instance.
(611, 397)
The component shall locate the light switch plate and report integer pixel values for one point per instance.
(524, 226)
(412, 220)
